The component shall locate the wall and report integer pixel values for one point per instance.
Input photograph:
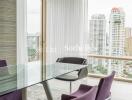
(8, 30)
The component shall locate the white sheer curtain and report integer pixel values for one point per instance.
(66, 29)
(22, 57)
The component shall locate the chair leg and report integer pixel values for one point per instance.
(70, 87)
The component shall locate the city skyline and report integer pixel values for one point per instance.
(126, 31)
(104, 7)
(118, 33)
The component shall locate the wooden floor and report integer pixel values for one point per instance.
(120, 90)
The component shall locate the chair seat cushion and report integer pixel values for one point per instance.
(69, 77)
(67, 97)
(82, 90)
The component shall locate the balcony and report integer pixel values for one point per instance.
(33, 41)
(101, 65)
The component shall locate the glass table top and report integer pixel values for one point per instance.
(21, 76)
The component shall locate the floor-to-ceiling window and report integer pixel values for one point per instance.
(36, 25)
(33, 29)
(85, 27)
(110, 36)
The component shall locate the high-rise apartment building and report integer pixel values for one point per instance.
(97, 31)
(117, 31)
(117, 37)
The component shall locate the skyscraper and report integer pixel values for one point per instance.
(97, 31)
(117, 31)
(117, 37)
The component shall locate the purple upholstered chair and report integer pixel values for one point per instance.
(104, 87)
(103, 92)
(16, 95)
(83, 93)
(3, 63)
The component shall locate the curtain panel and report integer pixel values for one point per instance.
(66, 28)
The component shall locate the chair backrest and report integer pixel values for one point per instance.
(104, 87)
(3, 63)
(73, 60)
(83, 73)
(90, 95)
(76, 60)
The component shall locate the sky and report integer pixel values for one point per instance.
(33, 16)
(105, 6)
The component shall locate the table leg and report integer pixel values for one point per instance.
(47, 90)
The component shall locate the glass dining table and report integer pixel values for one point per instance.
(17, 77)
